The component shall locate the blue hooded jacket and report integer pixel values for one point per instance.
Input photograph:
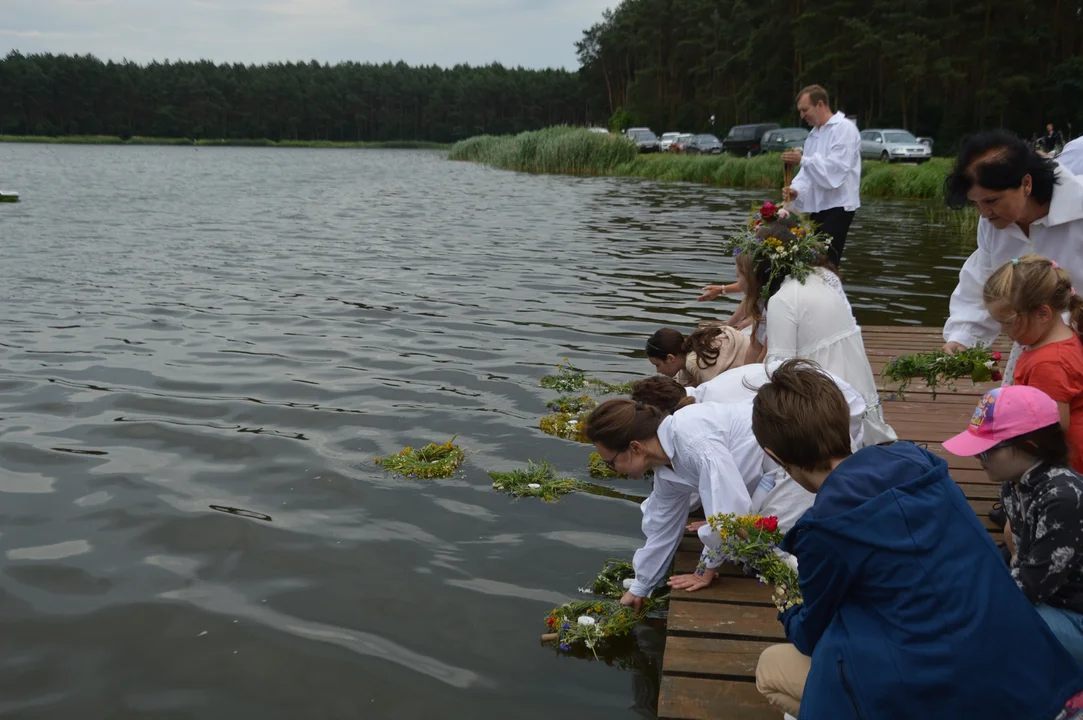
(909, 609)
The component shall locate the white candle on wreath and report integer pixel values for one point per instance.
(587, 620)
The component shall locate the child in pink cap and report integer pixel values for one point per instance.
(1016, 434)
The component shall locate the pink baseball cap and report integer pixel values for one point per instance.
(1004, 413)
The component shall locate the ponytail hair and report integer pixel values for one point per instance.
(1028, 282)
(663, 393)
(702, 343)
(618, 422)
(665, 342)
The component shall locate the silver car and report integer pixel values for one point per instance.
(893, 146)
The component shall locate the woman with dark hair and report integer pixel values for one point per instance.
(701, 356)
(1028, 204)
(1016, 435)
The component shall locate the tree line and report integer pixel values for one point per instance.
(46, 94)
(937, 67)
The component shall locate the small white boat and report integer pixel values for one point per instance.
(9, 196)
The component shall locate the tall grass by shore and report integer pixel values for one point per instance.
(575, 151)
(555, 150)
(219, 142)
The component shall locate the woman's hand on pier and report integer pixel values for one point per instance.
(953, 347)
(692, 582)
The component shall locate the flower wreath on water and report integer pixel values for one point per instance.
(616, 578)
(431, 461)
(589, 623)
(793, 254)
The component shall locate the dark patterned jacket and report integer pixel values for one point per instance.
(1045, 508)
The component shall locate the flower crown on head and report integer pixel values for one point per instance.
(785, 256)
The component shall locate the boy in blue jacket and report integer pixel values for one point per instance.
(909, 611)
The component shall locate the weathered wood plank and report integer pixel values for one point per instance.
(715, 657)
(713, 618)
(685, 698)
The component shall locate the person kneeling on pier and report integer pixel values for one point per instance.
(701, 356)
(692, 449)
(907, 609)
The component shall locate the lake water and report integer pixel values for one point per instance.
(191, 333)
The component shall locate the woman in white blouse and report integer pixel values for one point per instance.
(707, 449)
(1028, 204)
(812, 320)
(739, 385)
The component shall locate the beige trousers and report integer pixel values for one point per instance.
(780, 677)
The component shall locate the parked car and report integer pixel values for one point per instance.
(667, 140)
(893, 146)
(681, 143)
(783, 139)
(599, 130)
(705, 144)
(644, 138)
(745, 139)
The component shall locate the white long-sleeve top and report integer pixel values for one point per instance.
(1058, 236)
(712, 452)
(830, 174)
(1071, 157)
(739, 385)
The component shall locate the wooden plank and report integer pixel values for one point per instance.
(686, 698)
(709, 618)
(980, 491)
(734, 659)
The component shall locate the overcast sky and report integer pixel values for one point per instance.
(531, 33)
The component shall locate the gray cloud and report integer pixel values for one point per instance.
(532, 33)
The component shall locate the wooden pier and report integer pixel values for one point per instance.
(715, 636)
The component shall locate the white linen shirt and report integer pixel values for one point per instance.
(1071, 157)
(1058, 236)
(712, 452)
(830, 174)
(739, 385)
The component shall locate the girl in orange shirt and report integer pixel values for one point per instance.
(1029, 297)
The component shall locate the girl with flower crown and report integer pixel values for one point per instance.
(794, 288)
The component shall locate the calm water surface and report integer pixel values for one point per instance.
(185, 332)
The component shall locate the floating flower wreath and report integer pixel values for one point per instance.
(431, 461)
(589, 623)
(792, 255)
(538, 480)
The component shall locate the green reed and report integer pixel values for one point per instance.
(576, 151)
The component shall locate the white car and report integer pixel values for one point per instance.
(667, 140)
(893, 146)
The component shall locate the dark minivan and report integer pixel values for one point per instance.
(745, 139)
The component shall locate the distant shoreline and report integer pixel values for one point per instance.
(222, 142)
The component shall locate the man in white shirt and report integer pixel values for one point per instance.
(1071, 156)
(829, 181)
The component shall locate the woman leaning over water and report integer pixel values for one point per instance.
(693, 449)
(1028, 204)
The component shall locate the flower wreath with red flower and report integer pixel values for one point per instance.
(791, 256)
